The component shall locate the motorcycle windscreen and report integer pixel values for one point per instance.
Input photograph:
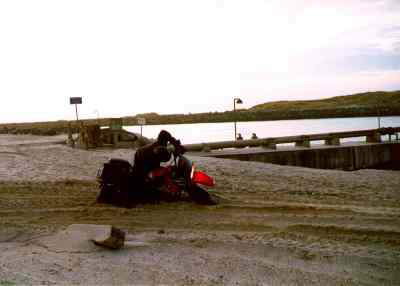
(202, 179)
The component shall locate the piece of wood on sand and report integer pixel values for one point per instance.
(80, 236)
(110, 237)
(84, 238)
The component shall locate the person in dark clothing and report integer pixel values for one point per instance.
(124, 185)
(150, 186)
(149, 157)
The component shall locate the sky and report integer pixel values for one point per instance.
(188, 56)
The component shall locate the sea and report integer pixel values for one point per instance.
(214, 132)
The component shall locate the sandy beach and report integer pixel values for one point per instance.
(276, 225)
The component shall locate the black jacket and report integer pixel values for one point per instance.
(149, 157)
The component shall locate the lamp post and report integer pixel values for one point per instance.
(379, 118)
(238, 101)
(379, 122)
(98, 115)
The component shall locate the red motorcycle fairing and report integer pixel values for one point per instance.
(202, 178)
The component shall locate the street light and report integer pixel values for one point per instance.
(379, 116)
(238, 101)
(98, 115)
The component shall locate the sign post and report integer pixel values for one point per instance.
(141, 121)
(76, 101)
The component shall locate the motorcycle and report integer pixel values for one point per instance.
(178, 180)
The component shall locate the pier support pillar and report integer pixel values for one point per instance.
(333, 141)
(269, 146)
(70, 140)
(374, 138)
(305, 143)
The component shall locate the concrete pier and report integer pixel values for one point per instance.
(350, 156)
(371, 135)
(331, 155)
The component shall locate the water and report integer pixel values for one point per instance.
(213, 132)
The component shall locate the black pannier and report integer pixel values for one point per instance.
(116, 182)
(116, 171)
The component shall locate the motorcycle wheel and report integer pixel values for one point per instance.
(201, 196)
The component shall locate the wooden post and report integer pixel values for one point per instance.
(70, 140)
(83, 136)
(93, 136)
(115, 138)
(76, 111)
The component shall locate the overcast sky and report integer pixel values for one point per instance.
(129, 57)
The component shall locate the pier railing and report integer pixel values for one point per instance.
(372, 136)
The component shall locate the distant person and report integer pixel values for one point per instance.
(239, 137)
(254, 136)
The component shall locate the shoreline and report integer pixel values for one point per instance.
(51, 128)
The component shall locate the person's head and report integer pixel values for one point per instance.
(163, 138)
(162, 154)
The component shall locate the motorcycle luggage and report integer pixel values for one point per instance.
(115, 180)
(115, 171)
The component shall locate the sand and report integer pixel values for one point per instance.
(276, 225)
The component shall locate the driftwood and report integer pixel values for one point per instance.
(85, 238)
(109, 237)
